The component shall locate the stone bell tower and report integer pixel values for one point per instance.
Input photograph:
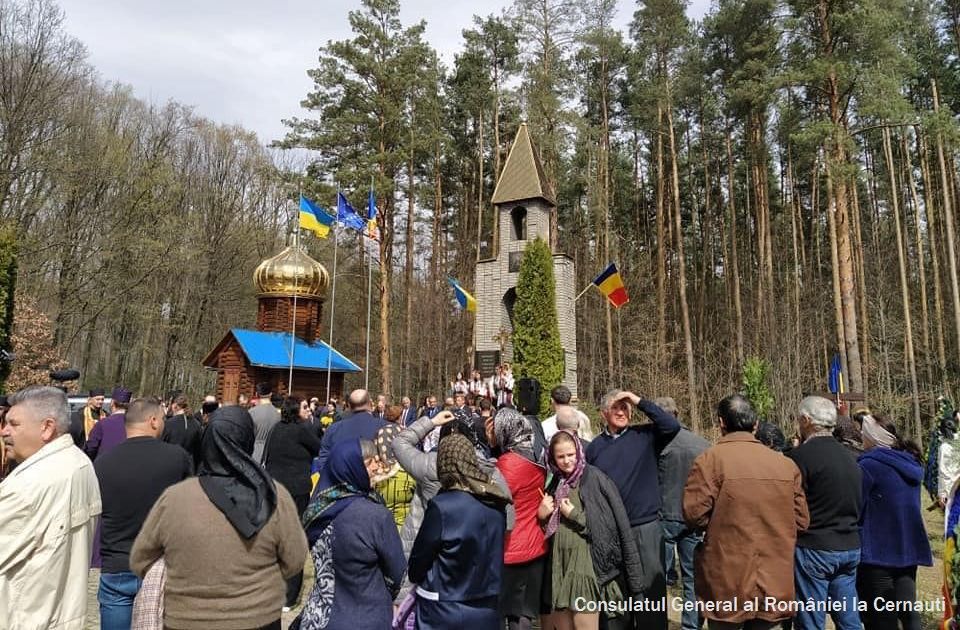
(524, 202)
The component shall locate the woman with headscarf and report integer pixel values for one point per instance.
(393, 483)
(458, 553)
(593, 553)
(421, 464)
(230, 536)
(525, 548)
(357, 556)
(893, 540)
(288, 453)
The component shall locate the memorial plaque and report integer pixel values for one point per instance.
(513, 262)
(486, 362)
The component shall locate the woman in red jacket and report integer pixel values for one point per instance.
(525, 547)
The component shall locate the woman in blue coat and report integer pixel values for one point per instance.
(893, 540)
(355, 546)
(457, 556)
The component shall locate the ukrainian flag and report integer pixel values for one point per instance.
(611, 285)
(372, 216)
(314, 218)
(465, 300)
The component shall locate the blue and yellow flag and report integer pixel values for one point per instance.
(464, 299)
(314, 218)
(347, 215)
(372, 216)
(835, 377)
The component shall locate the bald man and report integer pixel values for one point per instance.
(361, 424)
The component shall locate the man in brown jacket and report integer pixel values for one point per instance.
(741, 493)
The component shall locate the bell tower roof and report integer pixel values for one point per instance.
(523, 176)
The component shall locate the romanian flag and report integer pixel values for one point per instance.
(611, 285)
(314, 218)
(465, 300)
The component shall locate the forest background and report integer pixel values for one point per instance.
(777, 182)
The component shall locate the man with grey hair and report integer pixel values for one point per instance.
(628, 455)
(570, 418)
(828, 552)
(50, 506)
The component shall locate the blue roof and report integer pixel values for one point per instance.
(272, 350)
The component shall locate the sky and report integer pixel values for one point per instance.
(245, 61)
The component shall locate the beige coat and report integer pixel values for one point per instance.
(48, 510)
(750, 501)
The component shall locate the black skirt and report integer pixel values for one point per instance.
(520, 588)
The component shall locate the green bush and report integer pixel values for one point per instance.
(537, 352)
(755, 387)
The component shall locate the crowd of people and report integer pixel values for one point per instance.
(467, 514)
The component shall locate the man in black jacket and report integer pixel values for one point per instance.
(183, 429)
(132, 477)
(673, 465)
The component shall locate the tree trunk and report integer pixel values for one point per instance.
(931, 221)
(864, 315)
(661, 249)
(681, 275)
(408, 263)
(948, 221)
(921, 257)
(735, 275)
(835, 271)
(479, 182)
(604, 163)
(904, 287)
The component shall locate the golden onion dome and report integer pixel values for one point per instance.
(291, 272)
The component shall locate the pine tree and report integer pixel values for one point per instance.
(363, 86)
(536, 334)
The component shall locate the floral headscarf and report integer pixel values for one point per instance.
(458, 469)
(514, 433)
(566, 481)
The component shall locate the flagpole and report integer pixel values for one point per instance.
(293, 324)
(366, 361)
(333, 298)
(580, 295)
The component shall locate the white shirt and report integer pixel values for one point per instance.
(949, 466)
(48, 510)
(550, 426)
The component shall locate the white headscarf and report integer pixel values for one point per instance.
(875, 435)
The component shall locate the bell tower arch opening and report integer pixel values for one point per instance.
(509, 301)
(518, 221)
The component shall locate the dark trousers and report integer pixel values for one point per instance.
(649, 538)
(898, 585)
(752, 624)
(295, 583)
